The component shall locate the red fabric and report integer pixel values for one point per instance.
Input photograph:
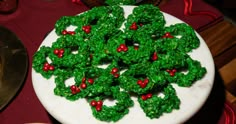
(196, 13)
(229, 114)
(34, 18)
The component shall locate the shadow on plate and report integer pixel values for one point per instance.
(53, 120)
(212, 110)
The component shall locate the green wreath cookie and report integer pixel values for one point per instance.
(111, 113)
(154, 106)
(146, 21)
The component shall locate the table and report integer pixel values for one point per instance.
(33, 19)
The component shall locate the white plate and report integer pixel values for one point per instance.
(79, 111)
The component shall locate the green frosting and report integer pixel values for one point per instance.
(116, 112)
(145, 57)
(154, 107)
(120, 2)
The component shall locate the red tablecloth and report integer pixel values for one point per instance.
(197, 13)
(34, 18)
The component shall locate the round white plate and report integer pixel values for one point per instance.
(78, 112)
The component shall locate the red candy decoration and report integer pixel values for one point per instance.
(56, 51)
(46, 64)
(59, 52)
(83, 85)
(118, 49)
(51, 68)
(133, 26)
(125, 49)
(98, 108)
(146, 96)
(90, 80)
(86, 29)
(71, 32)
(171, 72)
(74, 89)
(45, 68)
(48, 67)
(139, 82)
(93, 103)
(174, 70)
(122, 47)
(154, 56)
(77, 89)
(60, 55)
(149, 95)
(116, 75)
(168, 70)
(167, 35)
(114, 70)
(64, 32)
(83, 80)
(97, 104)
(143, 83)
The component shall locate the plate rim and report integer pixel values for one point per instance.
(207, 93)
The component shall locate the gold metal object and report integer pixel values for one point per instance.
(13, 66)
